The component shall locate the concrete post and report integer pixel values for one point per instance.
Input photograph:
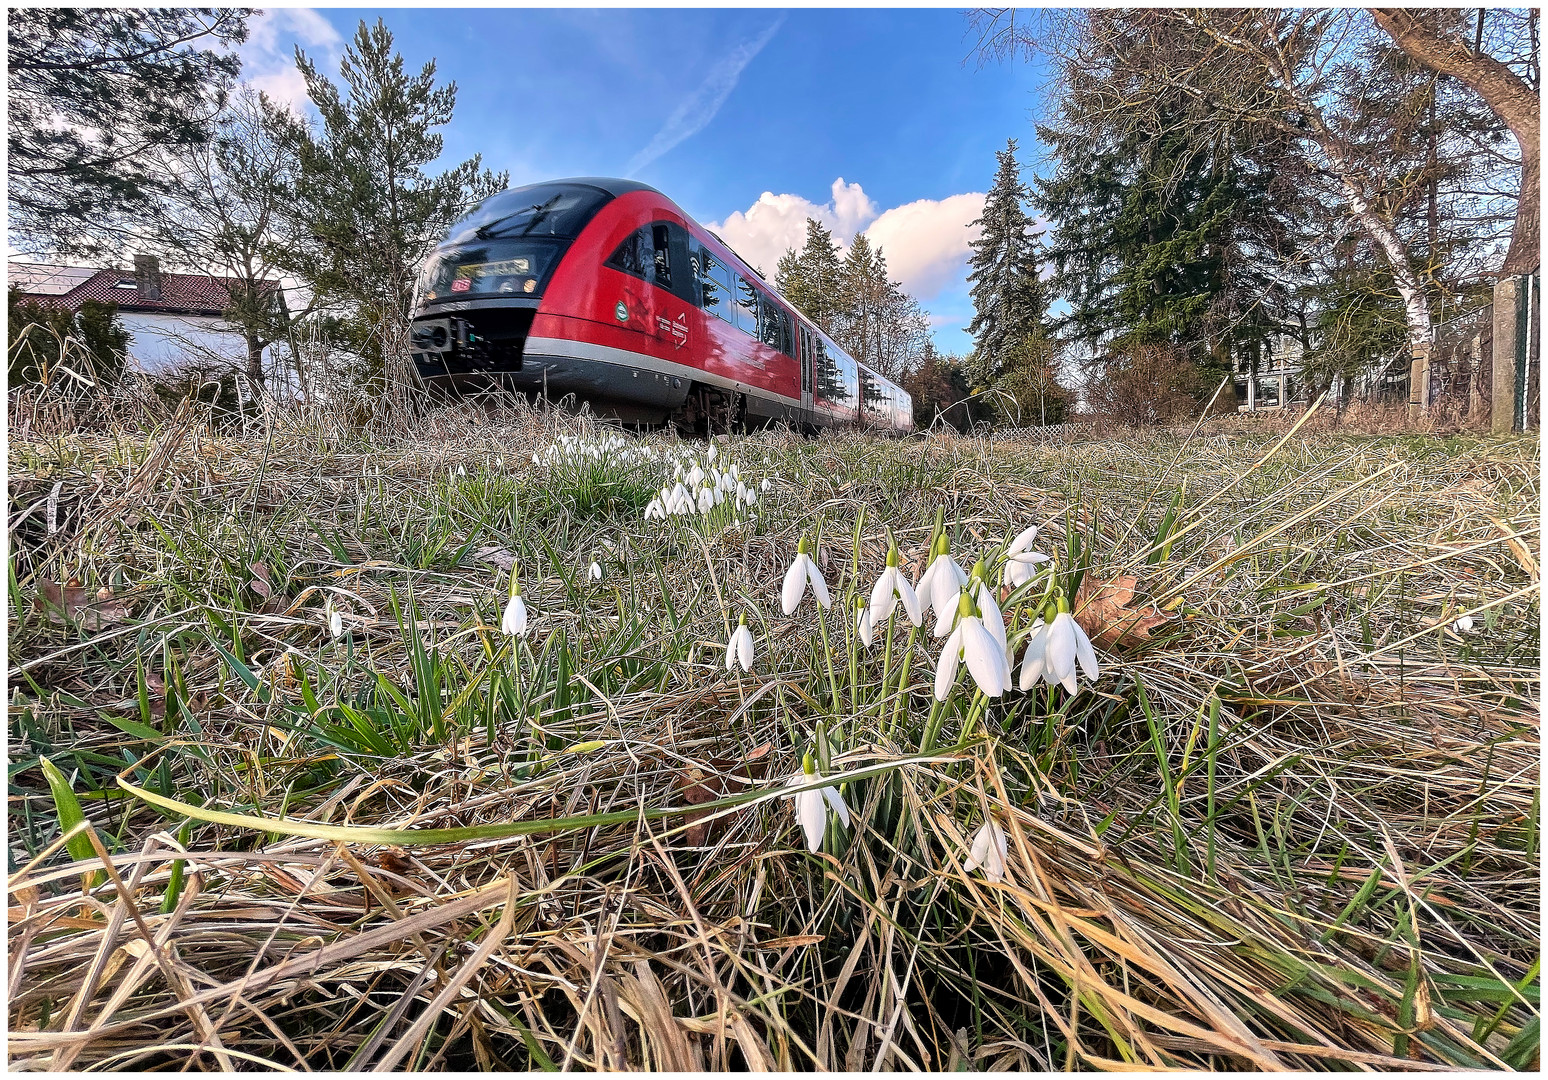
(1419, 381)
(1502, 411)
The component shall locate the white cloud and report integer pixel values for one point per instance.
(700, 107)
(925, 242)
(268, 54)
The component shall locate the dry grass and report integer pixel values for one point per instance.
(1297, 830)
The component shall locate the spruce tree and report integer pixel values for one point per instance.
(1007, 296)
(813, 280)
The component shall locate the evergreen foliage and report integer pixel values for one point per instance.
(94, 94)
(813, 279)
(1008, 298)
(364, 212)
(91, 341)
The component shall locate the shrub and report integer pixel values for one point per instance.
(1145, 385)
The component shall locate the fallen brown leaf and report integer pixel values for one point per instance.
(696, 787)
(1103, 610)
(74, 603)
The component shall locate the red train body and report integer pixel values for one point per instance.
(606, 290)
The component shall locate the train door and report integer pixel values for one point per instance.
(808, 354)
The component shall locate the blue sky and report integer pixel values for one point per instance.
(873, 120)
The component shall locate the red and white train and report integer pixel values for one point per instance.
(605, 289)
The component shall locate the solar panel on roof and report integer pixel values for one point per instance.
(42, 279)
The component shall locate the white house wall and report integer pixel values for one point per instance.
(163, 343)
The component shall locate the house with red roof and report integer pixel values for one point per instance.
(174, 320)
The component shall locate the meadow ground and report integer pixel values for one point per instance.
(282, 792)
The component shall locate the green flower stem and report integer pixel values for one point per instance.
(908, 658)
(827, 652)
(881, 701)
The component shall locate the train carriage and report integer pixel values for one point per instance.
(606, 290)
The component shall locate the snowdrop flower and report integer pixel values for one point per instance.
(891, 587)
(765, 485)
(803, 570)
(653, 509)
(863, 624)
(1463, 625)
(988, 850)
(983, 596)
(514, 622)
(706, 500)
(970, 641)
(680, 500)
(739, 650)
(695, 474)
(499, 462)
(461, 471)
(1035, 662)
(1020, 560)
(810, 808)
(711, 455)
(335, 620)
(595, 571)
(940, 583)
(1067, 642)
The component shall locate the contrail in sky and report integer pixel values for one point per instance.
(700, 107)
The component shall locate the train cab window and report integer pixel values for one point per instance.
(746, 306)
(633, 256)
(661, 253)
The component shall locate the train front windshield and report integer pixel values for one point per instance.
(509, 245)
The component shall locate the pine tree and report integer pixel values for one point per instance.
(364, 211)
(93, 95)
(1007, 296)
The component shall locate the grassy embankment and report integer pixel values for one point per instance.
(1295, 828)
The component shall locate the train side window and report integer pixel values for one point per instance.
(632, 256)
(746, 306)
(714, 286)
(806, 361)
(770, 323)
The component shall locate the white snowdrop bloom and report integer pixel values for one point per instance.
(514, 621)
(1035, 661)
(764, 486)
(736, 471)
(1067, 643)
(461, 471)
(712, 452)
(595, 570)
(863, 625)
(803, 571)
(335, 620)
(1464, 625)
(1020, 560)
(741, 492)
(811, 807)
(739, 650)
(892, 587)
(499, 463)
(695, 475)
(988, 850)
(970, 641)
(680, 500)
(720, 496)
(678, 472)
(706, 500)
(653, 509)
(939, 585)
(983, 596)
